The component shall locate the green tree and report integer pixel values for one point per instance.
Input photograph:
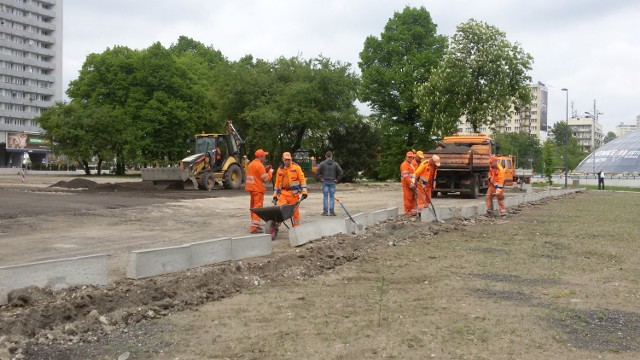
(302, 101)
(392, 67)
(610, 136)
(356, 147)
(526, 148)
(548, 150)
(561, 133)
(482, 76)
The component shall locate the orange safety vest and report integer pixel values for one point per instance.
(496, 176)
(425, 173)
(406, 173)
(256, 177)
(290, 179)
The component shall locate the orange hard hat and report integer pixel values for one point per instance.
(436, 159)
(286, 156)
(260, 152)
(410, 154)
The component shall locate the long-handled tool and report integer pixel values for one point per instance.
(345, 210)
(359, 227)
(433, 209)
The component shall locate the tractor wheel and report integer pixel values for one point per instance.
(233, 177)
(206, 181)
(271, 228)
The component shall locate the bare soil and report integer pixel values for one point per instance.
(559, 280)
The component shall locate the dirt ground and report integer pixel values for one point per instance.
(559, 280)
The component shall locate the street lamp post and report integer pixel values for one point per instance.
(566, 142)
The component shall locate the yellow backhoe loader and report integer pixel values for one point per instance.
(217, 159)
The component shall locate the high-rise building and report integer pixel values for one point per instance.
(30, 76)
(531, 119)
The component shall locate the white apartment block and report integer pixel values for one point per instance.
(587, 131)
(531, 120)
(623, 128)
(30, 75)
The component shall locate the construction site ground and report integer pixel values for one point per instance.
(560, 279)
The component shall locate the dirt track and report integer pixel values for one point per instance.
(557, 281)
(83, 216)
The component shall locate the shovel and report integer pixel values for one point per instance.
(347, 212)
(433, 209)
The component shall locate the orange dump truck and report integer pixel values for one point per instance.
(464, 165)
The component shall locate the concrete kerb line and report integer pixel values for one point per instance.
(57, 274)
(179, 258)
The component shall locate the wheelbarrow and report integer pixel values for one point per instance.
(276, 215)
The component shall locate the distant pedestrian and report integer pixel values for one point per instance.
(329, 173)
(601, 180)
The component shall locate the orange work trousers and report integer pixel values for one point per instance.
(410, 202)
(257, 201)
(287, 197)
(493, 193)
(424, 196)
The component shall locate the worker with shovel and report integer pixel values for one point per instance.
(290, 183)
(408, 184)
(425, 176)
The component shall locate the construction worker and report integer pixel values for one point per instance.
(290, 183)
(408, 184)
(419, 156)
(425, 176)
(257, 175)
(496, 187)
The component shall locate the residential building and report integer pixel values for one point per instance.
(30, 76)
(532, 119)
(623, 128)
(588, 132)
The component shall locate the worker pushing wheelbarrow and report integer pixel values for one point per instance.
(289, 190)
(276, 215)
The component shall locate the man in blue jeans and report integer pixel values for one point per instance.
(329, 172)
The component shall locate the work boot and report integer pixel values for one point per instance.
(332, 214)
(488, 213)
(503, 216)
(256, 231)
(325, 214)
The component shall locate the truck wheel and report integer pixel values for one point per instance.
(233, 177)
(474, 187)
(206, 181)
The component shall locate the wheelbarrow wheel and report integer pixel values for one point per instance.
(271, 228)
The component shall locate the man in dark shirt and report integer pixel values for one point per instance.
(330, 173)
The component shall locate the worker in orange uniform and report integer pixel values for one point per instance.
(257, 175)
(496, 187)
(425, 176)
(419, 156)
(408, 184)
(290, 183)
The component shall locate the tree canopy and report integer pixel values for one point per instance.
(481, 77)
(392, 67)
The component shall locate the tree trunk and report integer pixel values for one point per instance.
(85, 165)
(299, 136)
(99, 166)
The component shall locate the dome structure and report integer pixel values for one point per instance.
(619, 156)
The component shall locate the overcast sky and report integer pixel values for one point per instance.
(591, 47)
